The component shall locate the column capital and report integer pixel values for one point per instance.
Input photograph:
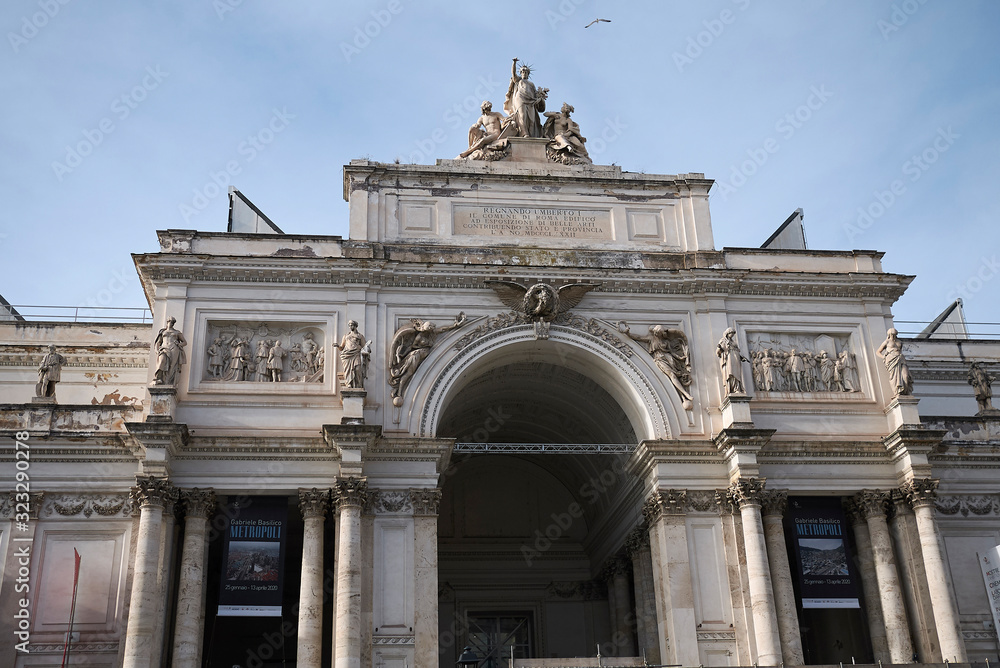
(774, 502)
(426, 501)
(351, 491)
(747, 492)
(152, 491)
(727, 506)
(664, 502)
(920, 492)
(313, 502)
(852, 510)
(872, 503)
(614, 566)
(637, 539)
(198, 502)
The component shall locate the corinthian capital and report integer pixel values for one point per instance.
(425, 501)
(664, 502)
(747, 492)
(921, 492)
(152, 491)
(198, 502)
(872, 503)
(313, 502)
(774, 502)
(351, 491)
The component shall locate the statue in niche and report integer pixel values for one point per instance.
(355, 353)
(488, 137)
(669, 348)
(567, 144)
(410, 346)
(891, 352)
(216, 357)
(49, 373)
(982, 385)
(730, 361)
(524, 102)
(169, 345)
(540, 303)
(309, 349)
(275, 360)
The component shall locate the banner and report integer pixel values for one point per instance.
(253, 559)
(826, 573)
(989, 561)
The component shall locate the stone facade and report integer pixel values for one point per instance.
(563, 468)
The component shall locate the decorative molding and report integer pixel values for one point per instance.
(78, 648)
(313, 502)
(426, 501)
(88, 505)
(9, 502)
(379, 640)
(716, 636)
(384, 501)
(351, 491)
(976, 504)
(590, 326)
(701, 500)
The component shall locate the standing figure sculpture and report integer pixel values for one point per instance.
(354, 355)
(49, 373)
(239, 362)
(215, 353)
(169, 345)
(275, 360)
(730, 358)
(567, 143)
(891, 352)
(260, 369)
(309, 348)
(524, 102)
(669, 348)
(982, 385)
(410, 346)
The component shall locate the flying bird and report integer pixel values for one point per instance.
(597, 21)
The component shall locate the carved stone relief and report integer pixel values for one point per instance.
(264, 352)
(411, 344)
(87, 505)
(803, 363)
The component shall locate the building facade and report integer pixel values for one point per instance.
(527, 407)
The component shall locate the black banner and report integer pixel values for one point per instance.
(826, 573)
(253, 559)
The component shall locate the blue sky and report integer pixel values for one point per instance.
(879, 119)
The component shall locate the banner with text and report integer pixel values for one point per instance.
(253, 559)
(989, 561)
(826, 574)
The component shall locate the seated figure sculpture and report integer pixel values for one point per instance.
(567, 144)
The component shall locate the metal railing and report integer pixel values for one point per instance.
(124, 314)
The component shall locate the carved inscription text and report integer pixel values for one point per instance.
(533, 221)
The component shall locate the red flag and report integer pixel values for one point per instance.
(72, 609)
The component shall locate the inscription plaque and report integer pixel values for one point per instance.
(533, 221)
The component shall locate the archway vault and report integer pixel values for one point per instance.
(569, 357)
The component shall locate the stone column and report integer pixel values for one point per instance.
(774, 504)
(425, 575)
(869, 582)
(873, 505)
(351, 495)
(739, 583)
(617, 576)
(747, 493)
(313, 504)
(637, 545)
(913, 579)
(921, 494)
(151, 495)
(199, 504)
(664, 512)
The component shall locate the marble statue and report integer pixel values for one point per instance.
(524, 102)
(410, 346)
(169, 345)
(891, 352)
(730, 358)
(540, 303)
(49, 373)
(488, 135)
(354, 354)
(982, 385)
(669, 348)
(275, 360)
(567, 144)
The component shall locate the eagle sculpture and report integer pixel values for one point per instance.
(540, 303)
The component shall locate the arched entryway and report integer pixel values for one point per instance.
(538, 497)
